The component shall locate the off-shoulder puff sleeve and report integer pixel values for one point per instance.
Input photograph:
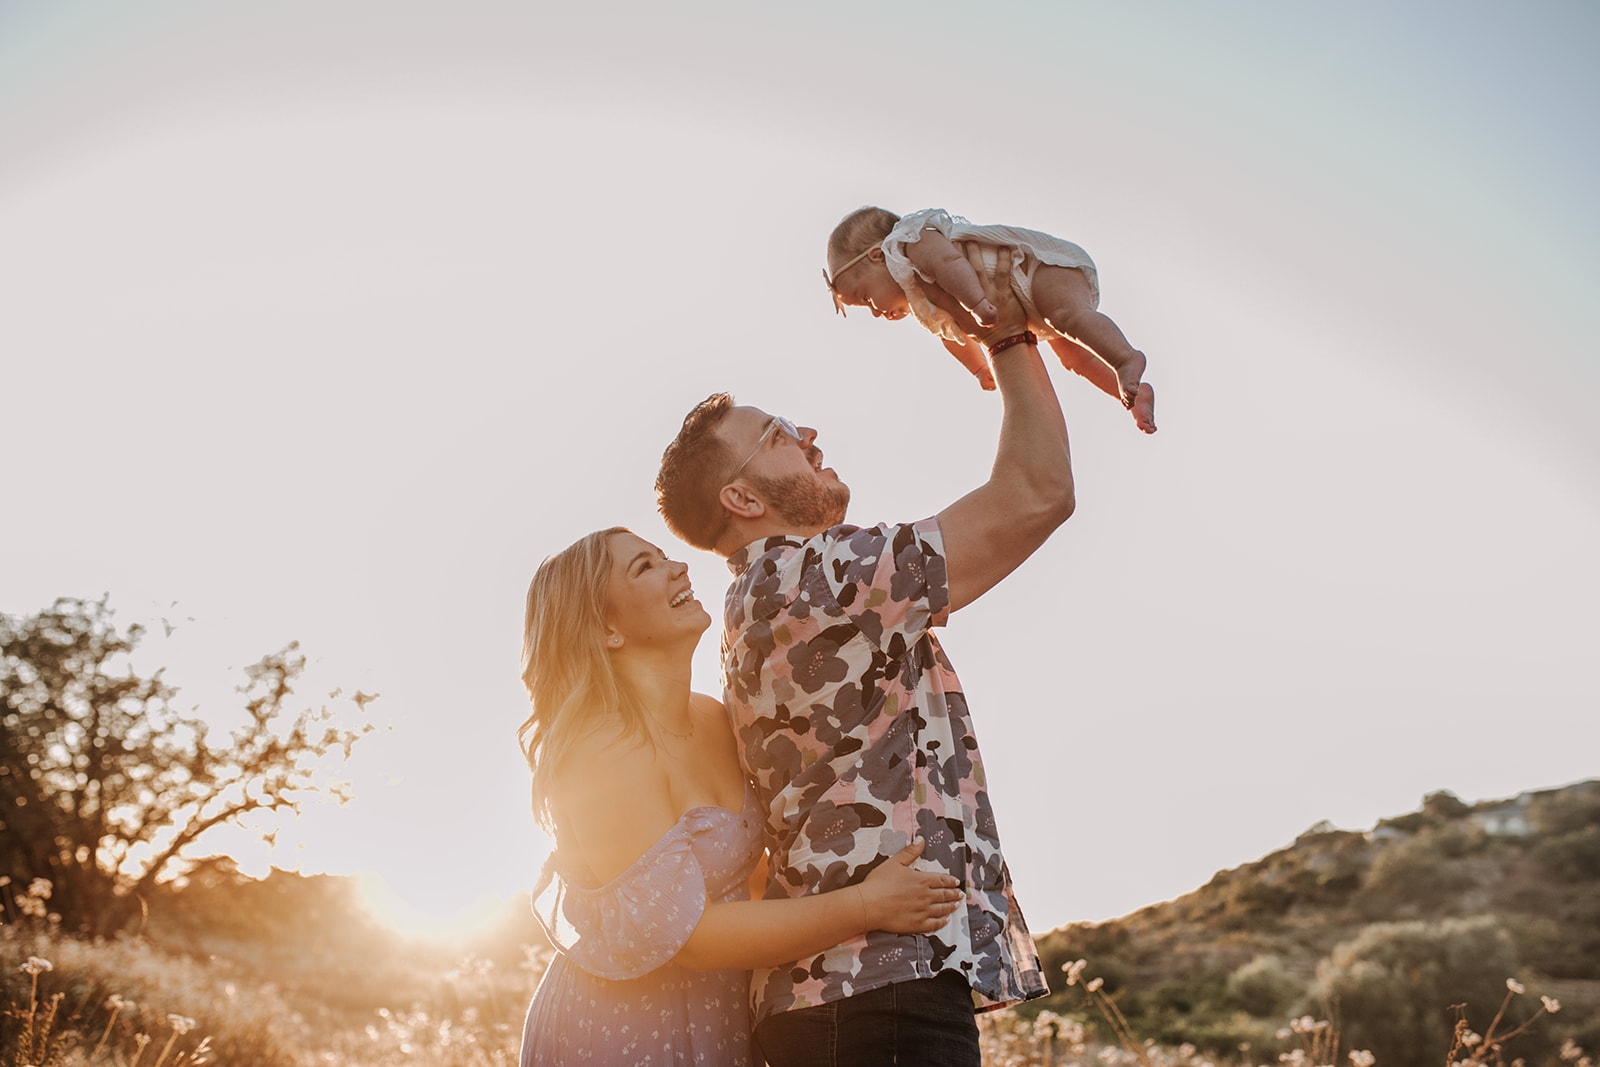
(633, 924)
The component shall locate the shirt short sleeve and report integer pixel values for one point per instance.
(889, 579)
(632, 925)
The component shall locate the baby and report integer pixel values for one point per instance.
(897, 266)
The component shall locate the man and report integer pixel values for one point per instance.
(850, 719)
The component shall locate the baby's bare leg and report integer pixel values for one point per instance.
(1086, 364)
(1064, 298)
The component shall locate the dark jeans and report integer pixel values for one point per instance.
(923, 1023)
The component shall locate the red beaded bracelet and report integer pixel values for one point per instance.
(1026, 337)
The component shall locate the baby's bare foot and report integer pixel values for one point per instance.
(1136, 397)
(1144, 408)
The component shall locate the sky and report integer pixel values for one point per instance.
(327, 322)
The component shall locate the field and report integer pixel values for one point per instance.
(1434, 943)
(129, 1004)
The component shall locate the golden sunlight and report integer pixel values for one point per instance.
(433, 913)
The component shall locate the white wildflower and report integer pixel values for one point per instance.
(181, 1024)
(36, 965)
(1551, 1004)
(1515, 986)
(1360, 1057)
(1094, 984)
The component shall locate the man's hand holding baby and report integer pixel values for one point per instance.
(1008, 318)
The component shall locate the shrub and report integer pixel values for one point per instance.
(1392, 985)
(1415, 873)
(1264, 988)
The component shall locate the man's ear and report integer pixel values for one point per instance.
(740, 502)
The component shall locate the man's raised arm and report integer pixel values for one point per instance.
(991, 530)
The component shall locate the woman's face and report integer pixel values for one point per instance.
(649, 602)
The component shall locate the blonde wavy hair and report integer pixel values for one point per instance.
(565, 665)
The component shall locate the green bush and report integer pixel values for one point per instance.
(1264, 988)
(1573, 856)
(1392, 986)
(1415, 874)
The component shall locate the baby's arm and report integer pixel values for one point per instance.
(970, 353)
(933, 254)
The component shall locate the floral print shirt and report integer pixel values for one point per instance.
(853, 726)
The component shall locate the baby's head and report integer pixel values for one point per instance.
(856, 273)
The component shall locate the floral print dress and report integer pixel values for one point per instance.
(613, 996)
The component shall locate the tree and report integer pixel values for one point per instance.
(105, 789)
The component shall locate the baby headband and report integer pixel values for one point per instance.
(832, 283)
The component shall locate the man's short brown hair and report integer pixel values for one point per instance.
(694, 469)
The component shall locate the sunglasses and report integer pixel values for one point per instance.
(833, 282)
(778, 423)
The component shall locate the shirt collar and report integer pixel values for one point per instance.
(740, 561)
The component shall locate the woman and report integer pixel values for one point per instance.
(657, 832)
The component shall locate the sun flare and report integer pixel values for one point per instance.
(432, 913)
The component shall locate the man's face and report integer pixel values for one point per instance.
(786, 471)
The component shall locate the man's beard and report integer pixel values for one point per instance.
(804, 502)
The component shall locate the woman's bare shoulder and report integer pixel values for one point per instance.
(706, 703)
(601, 761)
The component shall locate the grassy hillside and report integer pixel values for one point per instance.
(1444, 902)
(1381, 933)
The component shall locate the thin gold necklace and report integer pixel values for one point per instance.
(673, 733)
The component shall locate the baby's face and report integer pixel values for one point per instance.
(869, 284)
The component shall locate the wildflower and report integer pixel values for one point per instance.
(1074, 970)
(36, 965)
(1570, 1050)
(5, 880)
(40, 887)
(181, 1024)
(1551, 1004)
(1094, 984)
(1360, 1057)
(1470, 1038)
(1515, 986)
